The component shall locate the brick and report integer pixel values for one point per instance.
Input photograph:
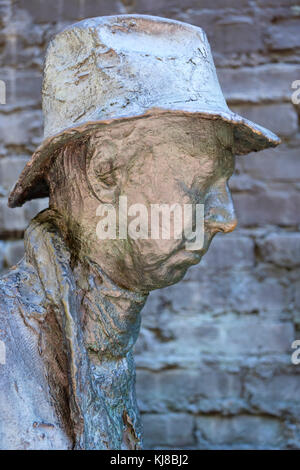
(236, 34)
(11, 220)
(239, 432)
(242, 182)
(41, 11)
(268, 206)
(17, 54)
(284, 35)
(249, 336)
(253, 336)
(172, 429)
(16, 220)
(274, 395)
(19, 128)
(26, 34)
(227, 252)
(279, 164)
(158, 6)
(234, 337)
(10, 253)
(273, 3)
(72, 10)
(280, 118)
(101, 8)
(23, 88)
(221, 4)
(231, 291)
(10, 169)
(185, 390)
(271, 82)
(281, 249)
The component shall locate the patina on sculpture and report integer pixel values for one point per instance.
(70, 310)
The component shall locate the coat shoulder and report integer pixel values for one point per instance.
(28, 419)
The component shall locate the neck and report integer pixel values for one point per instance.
(110, 322)
(110, 314)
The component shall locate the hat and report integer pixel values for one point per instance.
(107, 69)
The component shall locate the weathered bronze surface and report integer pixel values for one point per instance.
(70, 310)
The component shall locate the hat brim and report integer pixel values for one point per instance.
(248, 137)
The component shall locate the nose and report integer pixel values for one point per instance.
(219, 210)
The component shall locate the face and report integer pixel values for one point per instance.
(160, 160)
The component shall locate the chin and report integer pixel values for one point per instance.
(169, 270)
(170, 275)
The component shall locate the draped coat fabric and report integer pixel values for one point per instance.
(67, 376)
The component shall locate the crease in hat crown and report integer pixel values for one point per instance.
(121, 67)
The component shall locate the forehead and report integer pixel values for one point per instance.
(193, 129)
(192, 135)
(164, 134)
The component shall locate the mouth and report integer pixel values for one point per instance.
(197, 252)
(190, 256)
(195, 255)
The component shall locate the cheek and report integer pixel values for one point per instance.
(150, 252)
(158, 187)
(169, 180)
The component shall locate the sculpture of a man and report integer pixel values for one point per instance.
(132, 108)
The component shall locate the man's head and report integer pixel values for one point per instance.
(122, 67)
(168, 159)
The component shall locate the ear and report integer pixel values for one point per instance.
(103, 174)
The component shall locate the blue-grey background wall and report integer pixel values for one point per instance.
(214, 356)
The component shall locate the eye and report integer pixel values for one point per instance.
(108, 178)
(106, 173)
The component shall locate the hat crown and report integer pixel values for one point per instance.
(121, 66)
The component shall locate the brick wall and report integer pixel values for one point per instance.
(214, 356)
